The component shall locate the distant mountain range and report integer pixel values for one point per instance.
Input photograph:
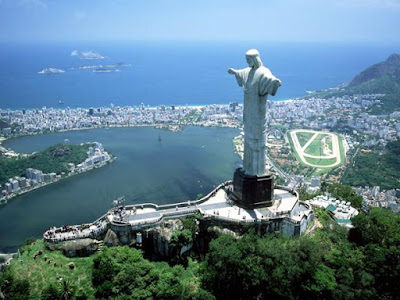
(381, 78)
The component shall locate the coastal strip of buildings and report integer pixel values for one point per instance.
(345, 113)
(33, 179)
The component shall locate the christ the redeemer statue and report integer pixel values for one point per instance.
(257, 82)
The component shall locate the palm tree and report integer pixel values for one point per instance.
(67, 289)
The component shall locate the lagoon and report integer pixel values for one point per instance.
(177, 168)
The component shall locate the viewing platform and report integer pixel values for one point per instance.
(287, 214)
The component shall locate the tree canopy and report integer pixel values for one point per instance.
(53, 159)
(328, 265)
(375, 169)
(123, 272)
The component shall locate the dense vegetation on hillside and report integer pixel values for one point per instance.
(388, 85)
(328, 265)
(331, 264)
(372, 168)
(115, 273)
(123, 273)
(53, 159)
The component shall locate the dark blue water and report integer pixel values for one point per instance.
(171, 72)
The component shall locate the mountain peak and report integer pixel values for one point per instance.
(394, 58)
(389, 67)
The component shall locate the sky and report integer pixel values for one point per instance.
(354, 21)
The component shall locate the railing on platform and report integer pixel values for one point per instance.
(105, 222)
(50, 237)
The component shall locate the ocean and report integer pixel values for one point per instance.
(168, 72)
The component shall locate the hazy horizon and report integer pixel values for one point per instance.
(371, 21)
(166, 73)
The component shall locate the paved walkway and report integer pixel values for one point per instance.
(217, 206)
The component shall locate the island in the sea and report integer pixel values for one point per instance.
(108, 66)
(51, 71)
(22, 173)
(102, 70)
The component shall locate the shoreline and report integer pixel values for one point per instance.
(170, 127)
(4, 200)
(198, 106)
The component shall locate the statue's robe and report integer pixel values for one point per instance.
(256, 83)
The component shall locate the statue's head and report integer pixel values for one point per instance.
(253, 58)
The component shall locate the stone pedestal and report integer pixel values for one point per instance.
(252, 191)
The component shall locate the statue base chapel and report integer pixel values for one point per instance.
(252, 191)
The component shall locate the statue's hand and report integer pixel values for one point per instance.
(231, 71)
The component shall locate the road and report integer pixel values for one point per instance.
(277, 168)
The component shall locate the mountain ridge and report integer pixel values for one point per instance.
(390, 68)
(379, 78)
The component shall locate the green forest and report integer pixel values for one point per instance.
(53, 159)
(332, 263)
(375, 169)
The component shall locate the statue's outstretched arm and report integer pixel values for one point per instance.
(239, 74)
(276, 84)
(232, 71)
